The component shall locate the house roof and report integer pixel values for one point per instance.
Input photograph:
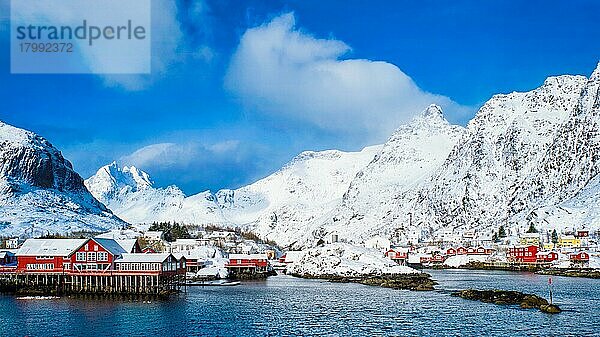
(49, 247)
(248, 256)
(127, 244)
(143, 258)
(112, 246)
(179, 256)
(530, 235)
(185, 242)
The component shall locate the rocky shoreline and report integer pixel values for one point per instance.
(585, 273)
(506, 297)
(414, 281)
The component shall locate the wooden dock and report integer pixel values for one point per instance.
(91, 283)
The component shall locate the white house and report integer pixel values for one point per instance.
(153, 236)
(379, 243)
(183, 245)
(12, 243)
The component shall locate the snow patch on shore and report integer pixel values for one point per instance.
(341, 259)
(457, 261)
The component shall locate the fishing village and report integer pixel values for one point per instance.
(153, 262)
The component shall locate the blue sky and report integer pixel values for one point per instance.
(246, 85)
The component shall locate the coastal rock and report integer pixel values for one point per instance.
(507, 297)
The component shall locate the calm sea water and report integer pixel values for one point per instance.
(285, 306)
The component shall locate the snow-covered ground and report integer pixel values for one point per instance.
(462, 260)
(213, 260)
(342, 259)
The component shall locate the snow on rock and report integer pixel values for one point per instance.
(340, 259)
(40, 193)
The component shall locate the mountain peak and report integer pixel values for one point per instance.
(113, 176)
(433, 110)
(431, 116)
(596, 74)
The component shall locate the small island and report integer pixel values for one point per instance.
(343, 263)
(507, 297)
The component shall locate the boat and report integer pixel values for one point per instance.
(214, 284)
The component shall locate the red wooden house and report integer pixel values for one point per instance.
(95, 255)
(67, 255)
(524, 254)
(435, 258)
(150, 264)
(399, 255)
(461, 251)
(450, 251)
(46, 255)
(248, 263)
(581, 257)
(546, 256)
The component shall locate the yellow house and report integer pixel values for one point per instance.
(549, 246)
(528, 239)
(568, 241)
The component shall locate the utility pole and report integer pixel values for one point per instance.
(550, 288)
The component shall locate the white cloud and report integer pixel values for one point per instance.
(280, 70)
(163, 155)
(169, 45)
(225, 146)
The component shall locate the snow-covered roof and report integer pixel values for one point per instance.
(143, 258)
(127, 244)
(111, 246)
(49, 247)
(185, 242)
(530, 235)
(248, 256)
(293, 256)
(179, 256)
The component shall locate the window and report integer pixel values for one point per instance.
(66, 266)
(80, 256)
(102, 256)
(95, 248)
(91, 256)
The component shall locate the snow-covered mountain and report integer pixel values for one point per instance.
(281, 206)
(406, 161)
(503, 145)
(129, 193)
(308, 186)
(40, 192)
(526, 157)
